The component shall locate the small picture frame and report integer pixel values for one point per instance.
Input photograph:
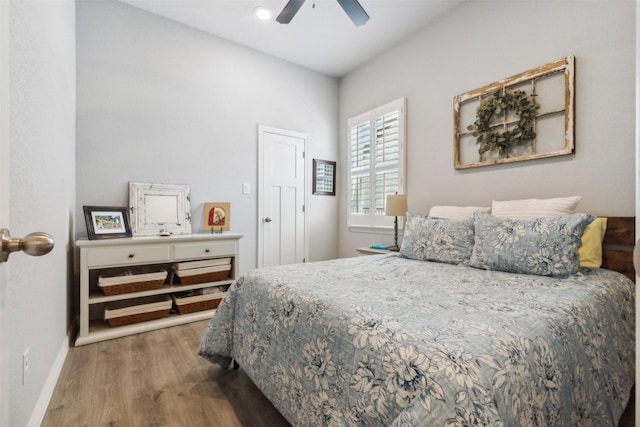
(324, 177)
(106, 222)
(216, 217)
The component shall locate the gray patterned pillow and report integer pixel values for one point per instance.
(441, 240)
(541, 246)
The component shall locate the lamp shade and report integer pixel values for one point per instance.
(396, 205)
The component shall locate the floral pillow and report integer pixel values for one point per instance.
(440, 240)
(541, 246)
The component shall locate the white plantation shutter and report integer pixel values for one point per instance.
(376, 163)
(360, 137)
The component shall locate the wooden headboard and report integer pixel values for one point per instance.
(618, 243)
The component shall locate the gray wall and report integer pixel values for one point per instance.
(42, 194)
(482, 42)
(162, 102)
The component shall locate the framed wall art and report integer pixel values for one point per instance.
(526, 116)
(106, 222)
(216, 217)
(324, 177)
(159, 209)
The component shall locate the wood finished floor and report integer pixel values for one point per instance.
(155, 379)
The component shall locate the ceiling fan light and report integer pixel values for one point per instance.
(263, 13)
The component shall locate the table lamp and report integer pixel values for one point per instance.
(396, 206)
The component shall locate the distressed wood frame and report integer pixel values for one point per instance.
(565, 66)
(159, 209)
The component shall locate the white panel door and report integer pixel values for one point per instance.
(281, 199)
(4, 202)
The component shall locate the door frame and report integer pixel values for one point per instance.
(262, 129)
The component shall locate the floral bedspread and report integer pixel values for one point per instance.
(386, 341)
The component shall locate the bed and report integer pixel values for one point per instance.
(391, 340)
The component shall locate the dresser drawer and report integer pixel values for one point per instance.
(204, 250)
(101, 257)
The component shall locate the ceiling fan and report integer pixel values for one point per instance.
(352, 8)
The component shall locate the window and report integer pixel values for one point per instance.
(376, 163)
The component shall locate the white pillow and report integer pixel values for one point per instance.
(534, 208)
(456, 212)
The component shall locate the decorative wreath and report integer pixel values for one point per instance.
(487, 136)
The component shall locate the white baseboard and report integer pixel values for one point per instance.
(49, 386)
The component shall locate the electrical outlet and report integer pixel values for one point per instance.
(25, 366)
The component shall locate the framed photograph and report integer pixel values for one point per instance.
(159, 209)
(106, 222)
(216, 216)
(324, 177)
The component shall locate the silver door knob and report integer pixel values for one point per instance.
(35, 244)
(267, 219)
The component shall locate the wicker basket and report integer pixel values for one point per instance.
(117, 282)
(128, 312)
(203, 275)
(137, 318)
(202, 263)
(197, 303)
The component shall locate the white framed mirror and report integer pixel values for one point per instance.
(159, 209)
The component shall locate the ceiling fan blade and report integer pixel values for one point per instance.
(289, 11)
(355, 11)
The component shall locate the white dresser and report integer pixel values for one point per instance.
(95, 256)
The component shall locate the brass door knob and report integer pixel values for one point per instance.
(35, 244)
